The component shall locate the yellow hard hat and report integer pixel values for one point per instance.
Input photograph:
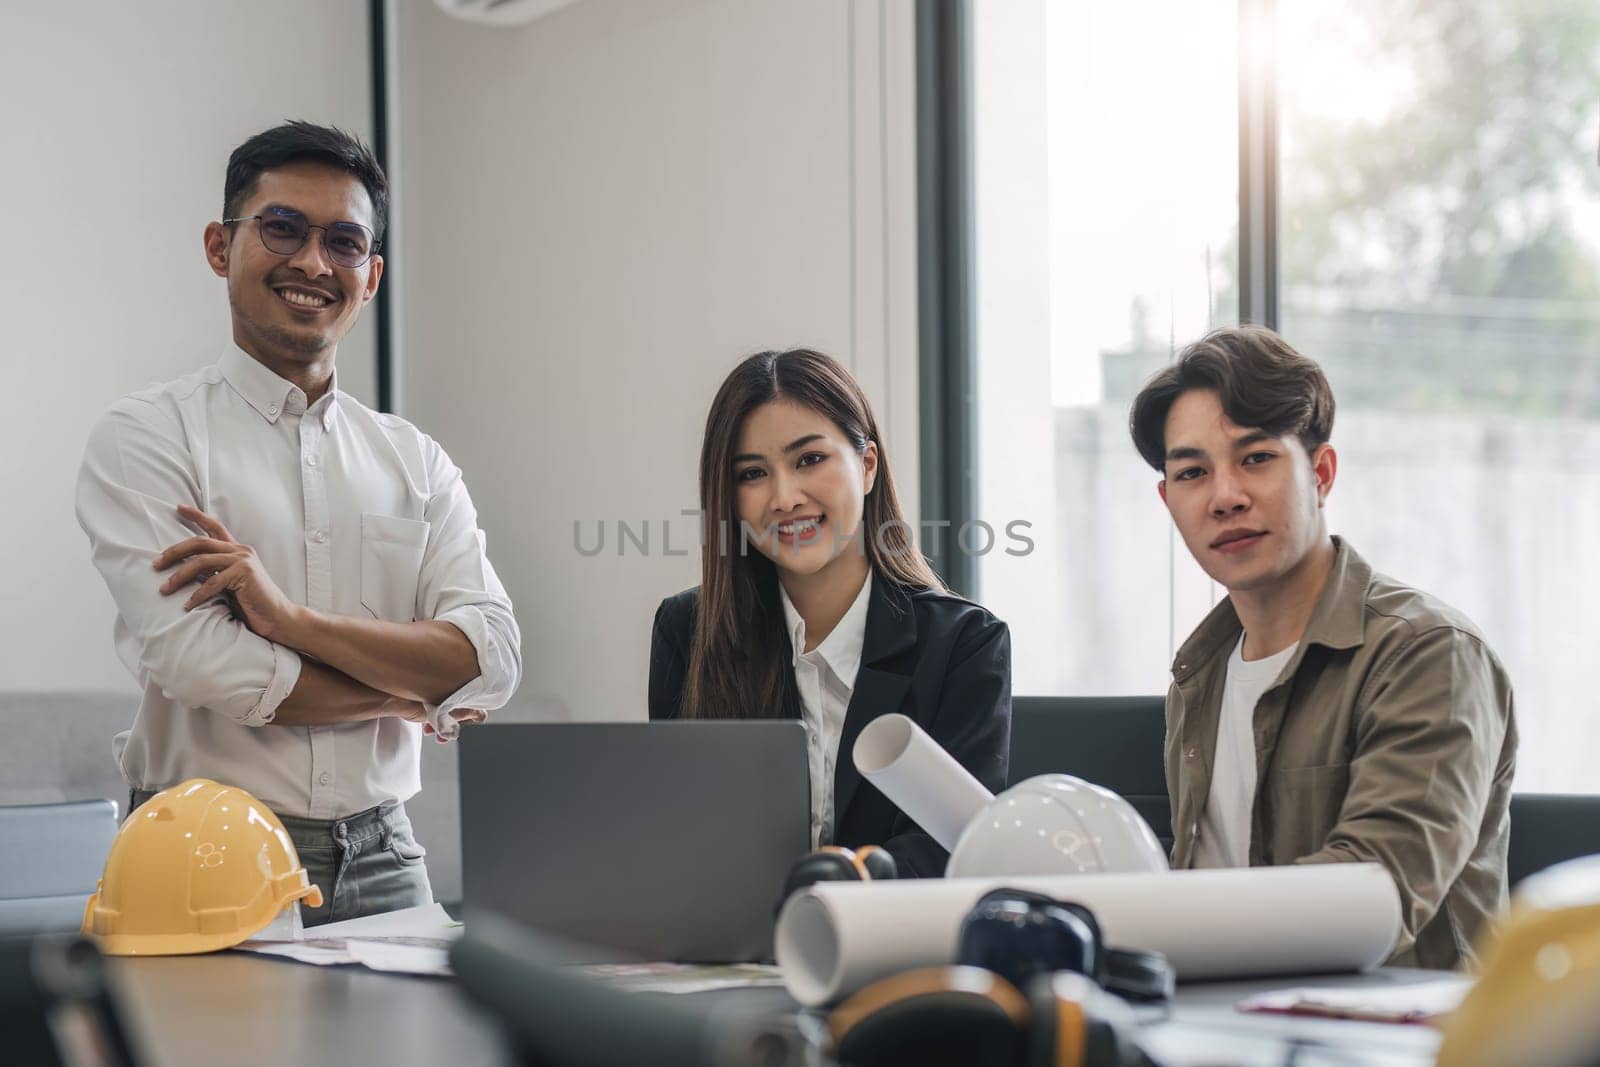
(1539, 978)
(199, 867)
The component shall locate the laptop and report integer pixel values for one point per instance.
(636, 841)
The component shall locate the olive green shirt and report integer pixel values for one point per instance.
(1388, 737)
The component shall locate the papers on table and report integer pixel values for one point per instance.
(417, 941)
(409, 941)
(1419, 1002)
(427, 921)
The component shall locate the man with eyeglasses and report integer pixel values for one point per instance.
(301, 586)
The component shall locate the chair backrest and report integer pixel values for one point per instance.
(1115, 742)
(54, 854)
(58, 748)
(1547, 828)
(58, 745)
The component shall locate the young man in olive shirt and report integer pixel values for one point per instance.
(1322, 712)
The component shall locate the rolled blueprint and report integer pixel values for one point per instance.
(923, 780)
(836, 937)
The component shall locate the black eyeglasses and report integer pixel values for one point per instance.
(348, 244)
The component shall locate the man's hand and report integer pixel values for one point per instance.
(411, 711)
(460, 715)
(224, 567)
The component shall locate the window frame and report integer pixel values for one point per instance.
(946, 248)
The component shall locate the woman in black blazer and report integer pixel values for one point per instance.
(805, 542)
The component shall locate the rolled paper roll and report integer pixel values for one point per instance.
(920, 777)
(834, 938)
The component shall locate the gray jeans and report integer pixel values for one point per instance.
(364, 864)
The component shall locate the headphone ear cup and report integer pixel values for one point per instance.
(932, 1017)
(1086, 915)
(1058, 1022)
(828, 864)
(1139, 975)
(1019, 934)
(1077, 1024)
(877, 862)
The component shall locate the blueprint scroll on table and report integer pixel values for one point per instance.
(836, 937)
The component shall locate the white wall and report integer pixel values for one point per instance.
(604, 211)
(118, 122)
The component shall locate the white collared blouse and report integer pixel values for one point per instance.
(826, 677)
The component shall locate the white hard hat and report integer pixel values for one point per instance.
(1056, 824)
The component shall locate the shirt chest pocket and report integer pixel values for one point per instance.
(1305, 805)
(391, 565)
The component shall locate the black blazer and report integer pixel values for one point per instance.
(943, 661)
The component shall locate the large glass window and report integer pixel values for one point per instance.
(1439, 250)
(1438, 245)
(1106, 190)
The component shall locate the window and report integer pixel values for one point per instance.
(1439, 249)
(1437, 241)
(1105, 207)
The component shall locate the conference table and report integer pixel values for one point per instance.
(244, 1010)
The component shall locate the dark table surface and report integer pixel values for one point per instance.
(242, 1010)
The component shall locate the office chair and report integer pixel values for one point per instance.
(1115, 742)
(54, 854)
(1547, 828)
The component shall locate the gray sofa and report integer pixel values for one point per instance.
(58, 747)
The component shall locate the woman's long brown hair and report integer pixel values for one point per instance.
(738, 666)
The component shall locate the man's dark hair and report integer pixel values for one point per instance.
(295, 142)
(1261, 381)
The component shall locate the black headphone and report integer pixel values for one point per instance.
(961, 1015)
(1018, 933)
(831, 863)
(1026, 991)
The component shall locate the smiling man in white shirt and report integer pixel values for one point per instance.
(302, 589)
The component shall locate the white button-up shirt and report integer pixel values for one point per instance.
(826, 677)
(350, 512)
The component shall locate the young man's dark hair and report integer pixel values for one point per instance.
(296, 142)
(1262, 382)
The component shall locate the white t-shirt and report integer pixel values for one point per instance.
(1224, 839)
